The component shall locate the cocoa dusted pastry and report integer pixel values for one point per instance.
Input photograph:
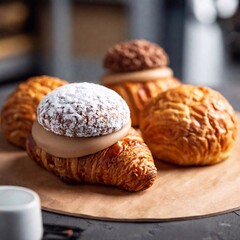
(20, 108)
(83, 134)
(138, 70)
(189, 125)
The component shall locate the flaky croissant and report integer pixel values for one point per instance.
(189, 125)
(137, 94)
(127, 164)
(20, 108)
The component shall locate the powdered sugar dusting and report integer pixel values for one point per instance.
(83, 110)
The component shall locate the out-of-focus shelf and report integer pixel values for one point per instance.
(16, 56)
(16, 45)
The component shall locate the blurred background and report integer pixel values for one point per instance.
(68, 38)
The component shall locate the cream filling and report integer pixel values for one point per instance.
(138, 76)
(71, 147)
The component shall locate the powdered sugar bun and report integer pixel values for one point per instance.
(83, 110)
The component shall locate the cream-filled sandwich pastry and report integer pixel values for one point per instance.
(138, 70)
(83, 134)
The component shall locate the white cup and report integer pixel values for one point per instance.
(20, 214)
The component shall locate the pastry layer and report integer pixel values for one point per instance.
(71, 147)
(137, 76)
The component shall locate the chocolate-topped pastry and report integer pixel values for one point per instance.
(135, 55)
(189, 125)
(83, 134)
(138, 70)
(20, 108)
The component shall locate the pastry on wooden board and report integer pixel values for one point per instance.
(137, 70)
(189, 125)
(83, 134)
(20, 108)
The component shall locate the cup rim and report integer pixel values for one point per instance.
(20, 207)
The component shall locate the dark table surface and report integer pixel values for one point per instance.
(219, 227)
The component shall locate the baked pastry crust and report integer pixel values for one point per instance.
(189, 125)
(20, 108)
(127, 164)
(137, 94)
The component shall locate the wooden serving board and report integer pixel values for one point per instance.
(177, 193)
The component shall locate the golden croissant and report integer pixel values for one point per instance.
(20, 109)
(189, 125)
(127, 164)
(137, 94)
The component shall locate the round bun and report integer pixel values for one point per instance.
(135, 55)
(83, 110)
(189, 125)
(20, 109)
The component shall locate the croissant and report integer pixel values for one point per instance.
(127, 164)
(19, 110)
(83, 134)
(137, 70)
(189, 125)
(137, 94)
